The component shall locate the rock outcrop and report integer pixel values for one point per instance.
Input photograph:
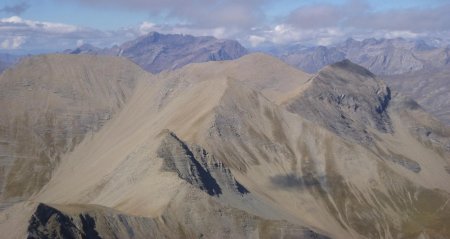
(346, 99)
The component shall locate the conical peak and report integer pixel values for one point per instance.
(349, 67)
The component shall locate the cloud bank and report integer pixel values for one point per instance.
(326, 23)
(323, 23)
(40, 36)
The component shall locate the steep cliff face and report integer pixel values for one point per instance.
(196, 166)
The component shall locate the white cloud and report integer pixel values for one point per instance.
(12, 42)
(286, 33)
(18, 33)
(282, 33)
(38, 25)
(325, 41)
(218, 32)
(146, 27)
(13, 19)
(52, 36)
(27, 35)
(403, 34)
(80, 42)
(256, 40)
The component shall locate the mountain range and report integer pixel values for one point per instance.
(430, 87)
(414, 67)
(156, 52)
(381, 56)
(397, 60)
(96, 147)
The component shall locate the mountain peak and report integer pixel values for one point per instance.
(349, 66)
(156, 52)
(347, 99)
(260, 57)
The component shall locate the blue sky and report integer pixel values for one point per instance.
(110, 18)
(48, 25)
(79, 14)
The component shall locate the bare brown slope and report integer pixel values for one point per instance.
(49, 104)
(343, 188)
(264, 73)
(292, 167)
(131, 166)
(182, 145)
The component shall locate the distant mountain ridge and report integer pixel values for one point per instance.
(156, 52)
(429, 87)
(380, 56)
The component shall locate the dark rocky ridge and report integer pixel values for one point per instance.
(48, 222)
(95, 222)
(197, 166)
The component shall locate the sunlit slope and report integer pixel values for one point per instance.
(252, 148)
(49, 104)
